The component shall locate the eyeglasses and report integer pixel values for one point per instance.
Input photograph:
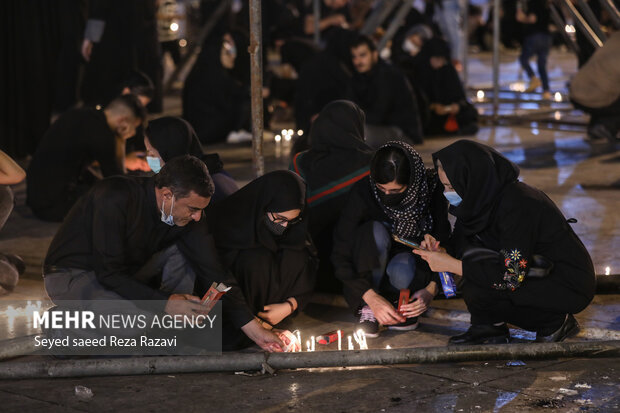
(281, 220)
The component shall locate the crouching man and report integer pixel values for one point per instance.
(137, 238)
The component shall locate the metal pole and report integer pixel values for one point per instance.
(465, 40)
(612, 11)
(381, 12)
(257, 361)
(256, 75)
(583, 25)
(558, 19)
(496, 12)
(317, 21)
(395, 24)
(591, 19)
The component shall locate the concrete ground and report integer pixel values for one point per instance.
(545, 139)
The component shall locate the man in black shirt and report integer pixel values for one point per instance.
(61, 168)
(135, 238)
(385, 96)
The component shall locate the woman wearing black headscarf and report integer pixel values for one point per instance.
(337, 159)
(400, 197)
(169, 136)
(437, 79)
(520, 261)
(261, 235)
(215, 101)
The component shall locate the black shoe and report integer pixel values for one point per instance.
(569, 328)
(368, 322)
(409, 325)
(483, 334)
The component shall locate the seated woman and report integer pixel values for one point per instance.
(337, 159)
(215, 99)
(400, 197)
(437, 79)
(520, 261)
(262, 238)
(169, 136)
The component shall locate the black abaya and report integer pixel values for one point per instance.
(215, 102)
(518, 222)
(173, 137)
(269, 268)
(336, 160)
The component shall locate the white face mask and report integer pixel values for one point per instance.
(167, 219)
(410, 47)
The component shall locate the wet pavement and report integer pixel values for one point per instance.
(546, 139)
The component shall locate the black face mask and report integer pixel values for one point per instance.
(391, 200)
(275, 229)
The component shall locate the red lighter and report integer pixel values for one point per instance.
(328, 338)
(403, 299)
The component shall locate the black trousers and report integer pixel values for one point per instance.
(539, 305)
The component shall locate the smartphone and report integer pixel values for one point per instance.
(407, 242)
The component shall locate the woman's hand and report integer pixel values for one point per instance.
(384, 311)
(265, 339)
(429, 243)
(440, 261)
(274, 313)
(420, 301)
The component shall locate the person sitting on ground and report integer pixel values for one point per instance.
(595, 89)
(215, 102)
(400, 197)
(62, 169)
(437, 79)
(337, 159)
(262, 237)
(11, 265)
(129, 234)
(169, 137)
(385, 96)
(519, 259)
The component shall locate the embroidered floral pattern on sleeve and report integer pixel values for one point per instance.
(516, 269)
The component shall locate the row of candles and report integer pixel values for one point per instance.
(358, 336)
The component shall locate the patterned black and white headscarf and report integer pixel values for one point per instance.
(412, 217)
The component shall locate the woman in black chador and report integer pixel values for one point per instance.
(437, 79)
(263, 240)
(520, 261)
(400, 197)
(338, 157)
(169, 136)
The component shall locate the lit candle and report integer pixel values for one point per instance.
(313, 343)
(350, 343)
(339, 340)
(388, 347)
(308, 346)
(299, 338)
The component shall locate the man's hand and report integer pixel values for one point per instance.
(384, 312)
(420, 301)
(440, 261)
(87, 49)
(185, 304)
(274, 313)
(265, 339)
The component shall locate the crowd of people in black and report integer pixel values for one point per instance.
(355, 182)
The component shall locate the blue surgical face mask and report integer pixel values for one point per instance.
(154, 163)
(167, 219)
(453, 198)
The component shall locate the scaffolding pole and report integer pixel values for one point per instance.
(396, 23)
(465, 41)
(582, 24)
(496, 12)
(612, 11)
(591, 19)
(256, 77)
